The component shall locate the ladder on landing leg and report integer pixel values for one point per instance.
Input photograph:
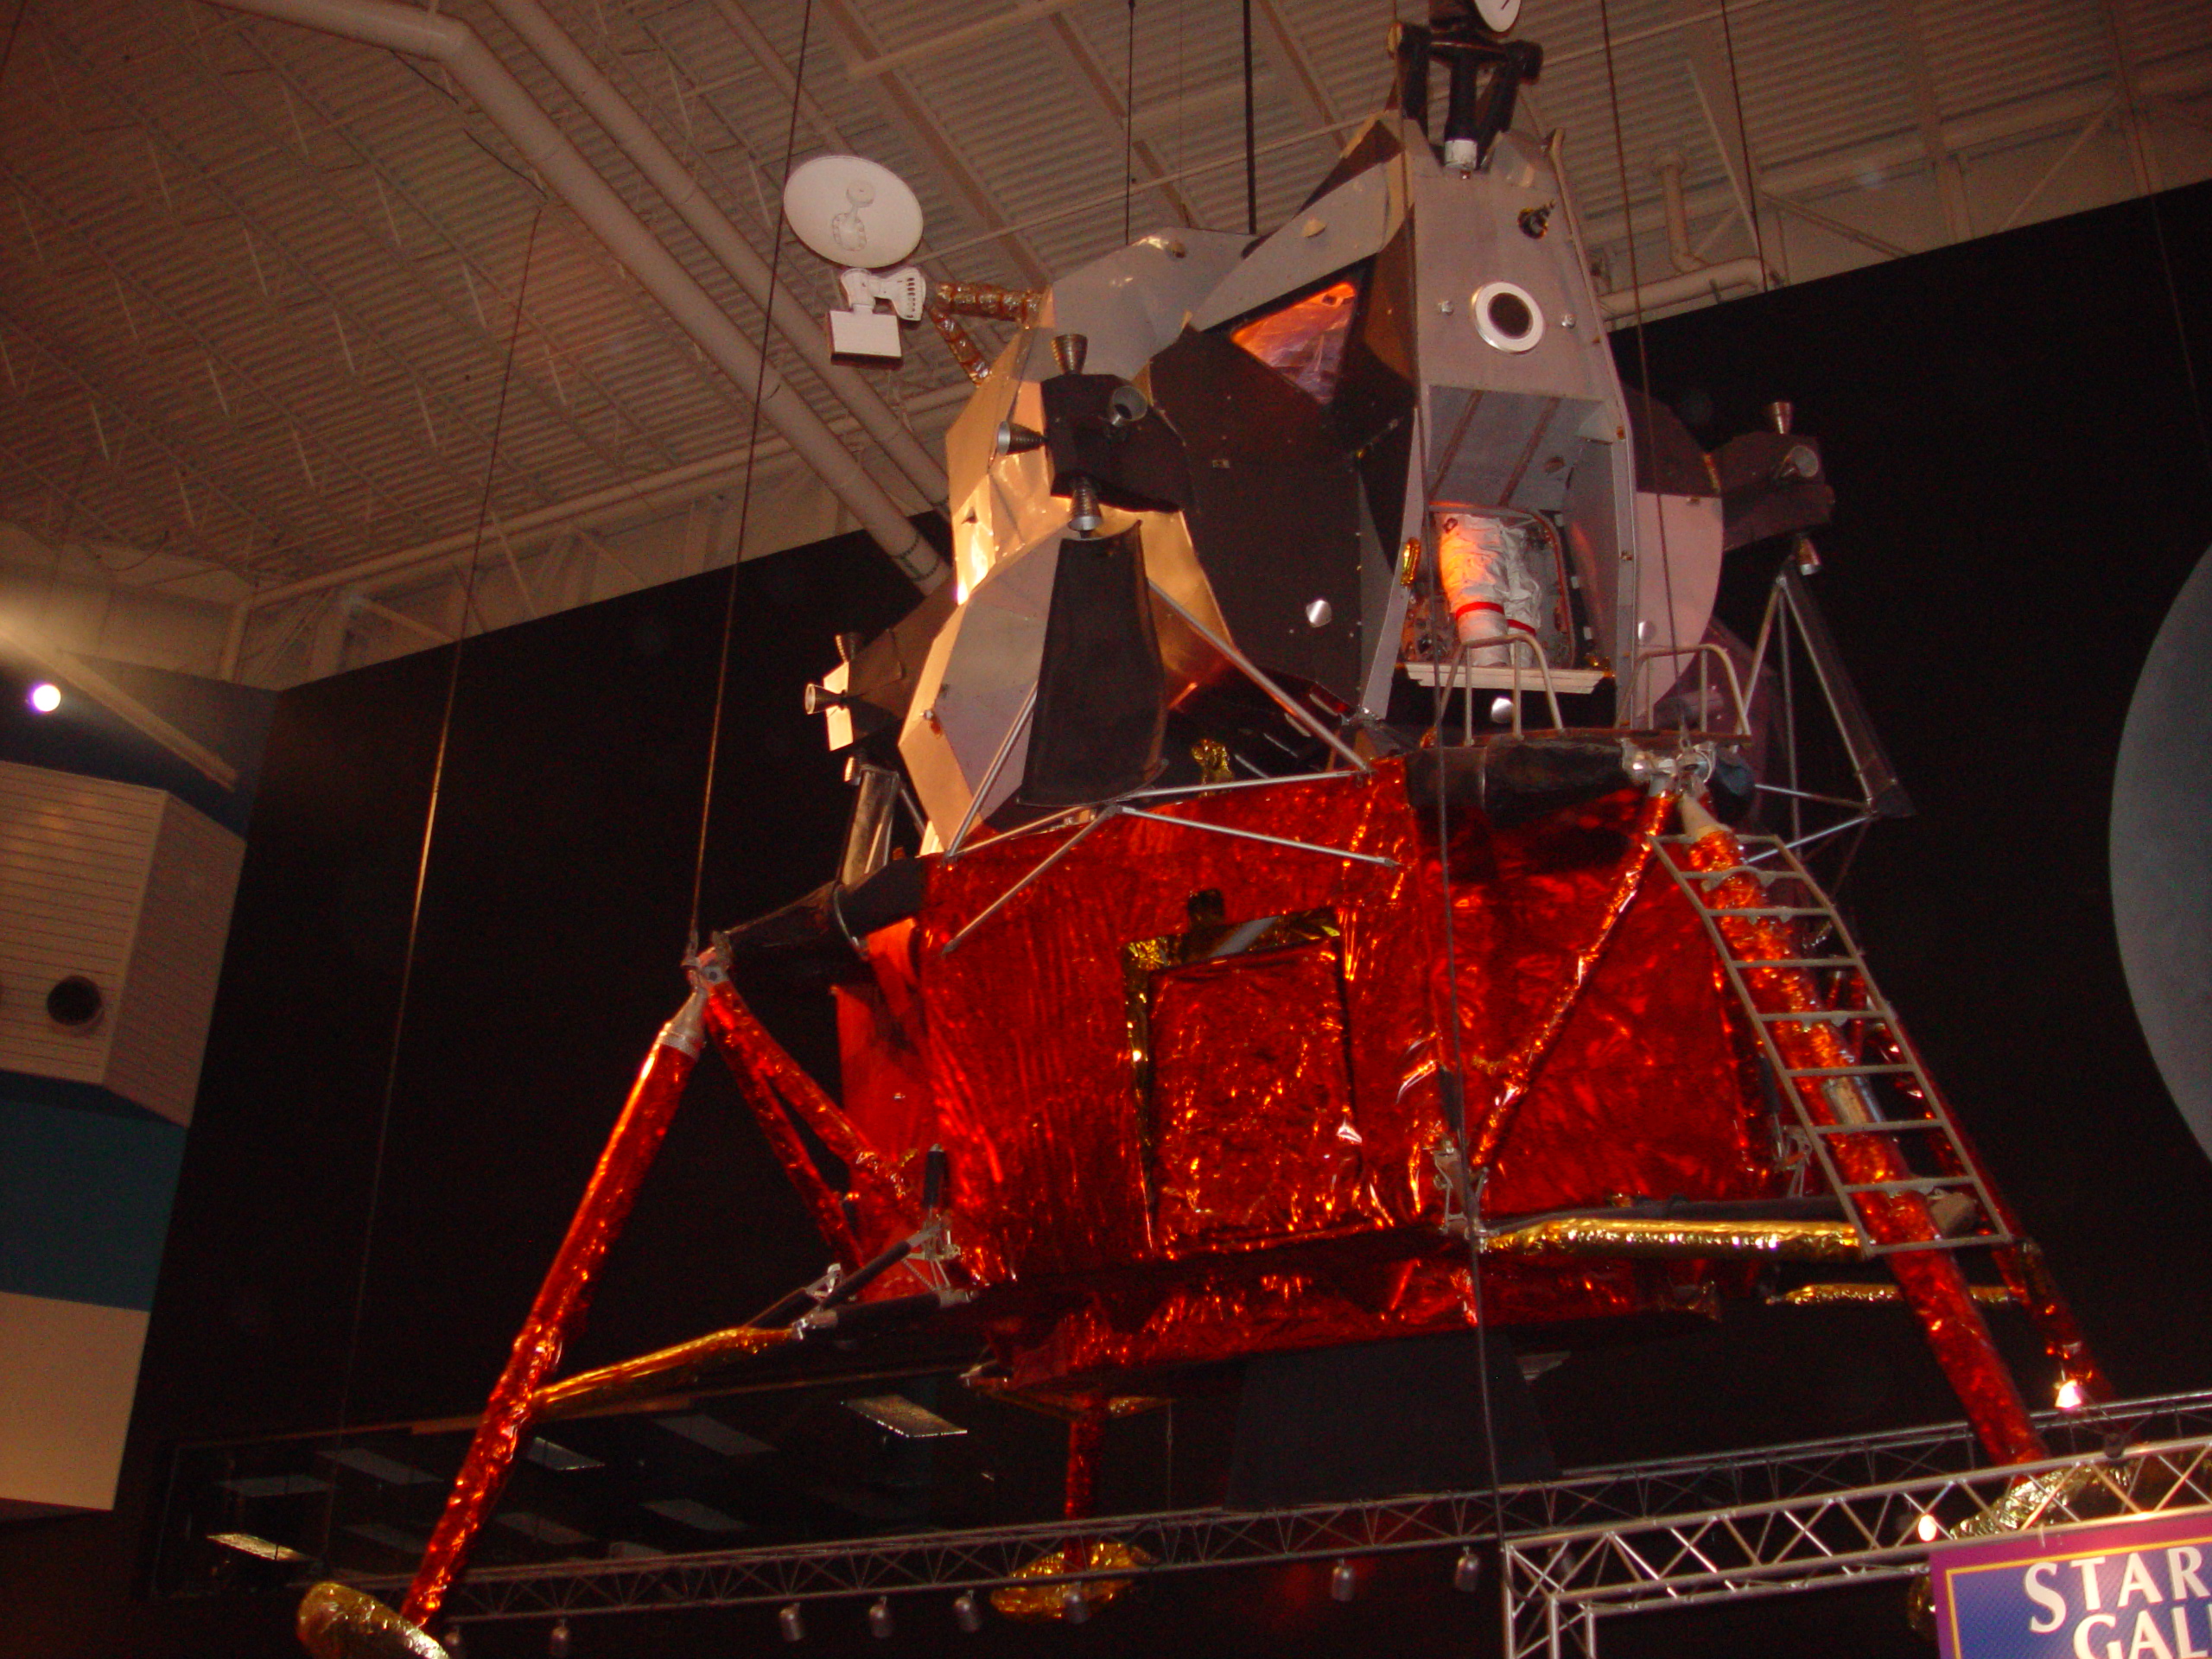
(1869, 1081)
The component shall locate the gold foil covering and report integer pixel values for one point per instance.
(1042, 1600)
(1015, 305)
(666, 1368)
(1677, 1241)
(964, 350)
(2027, 1502)
(339, 1621)
(1835, 1295)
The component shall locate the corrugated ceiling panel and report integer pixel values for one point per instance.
(1985, 53)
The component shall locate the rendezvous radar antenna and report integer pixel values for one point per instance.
(861, 216)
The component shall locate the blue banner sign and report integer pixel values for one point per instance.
(2125, 1589)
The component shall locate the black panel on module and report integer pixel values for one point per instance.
(1101, 693)
(1274, 507)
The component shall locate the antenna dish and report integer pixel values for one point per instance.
(852, 211)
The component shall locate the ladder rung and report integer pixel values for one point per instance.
(1794, 961)
(1996, 1240)
(1922, 1185)
(1851, 1071)
(1916, 1125)
(1879, 1015)
(1768, 910)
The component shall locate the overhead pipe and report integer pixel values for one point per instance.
(1668, 164)
(787, 314)
(462, 53)
(1705, 281)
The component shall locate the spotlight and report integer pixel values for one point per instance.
(1501, 711)
(1929, 1528)
(791, 1623)
(2070, 1397)
(1343, 1583)
(45, 696)
(1467, 1571)
(1075, 1606)
(968, 1612)
(878, 1619)
(455, 1647)
(557, 1641)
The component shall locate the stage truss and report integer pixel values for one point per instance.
(1600, 1543)
(1559, 1584)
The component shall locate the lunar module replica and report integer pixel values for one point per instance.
(1358, 891)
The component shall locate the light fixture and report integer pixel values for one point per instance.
(1467, 1571)
(791, 1623)
(1929, 1528)
(454, 1646)
(1075, 1606)
(45, 696)
(556, 1640)
(2071, 1396)
(968, 1612)
(1343, 1583)
(878, 1619)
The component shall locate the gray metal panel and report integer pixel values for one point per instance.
(1132, 302)
(1469, 236)
(1349, 224)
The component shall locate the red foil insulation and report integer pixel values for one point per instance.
(1186, 1082)
(558, 1312)
(780, 1091)
(1931, 1280)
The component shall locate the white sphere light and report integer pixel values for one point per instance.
(852, 211)
(45, 696)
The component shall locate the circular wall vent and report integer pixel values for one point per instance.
(75, 1003)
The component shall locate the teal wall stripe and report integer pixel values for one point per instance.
(84, 1197)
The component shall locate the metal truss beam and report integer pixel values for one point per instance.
(1706, 58)
(492, 351)
(1280, 42)
(41, 482)
(260, 520)
(909, 111)
(1111, 103)
(1558, 1534)
(1558, 1585)
(2141, 151)
(332, 456)
(681, 348)
(771, 63)
(1920, 80)
(347, 318)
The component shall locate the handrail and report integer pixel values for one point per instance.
(1644, 658)
(1508, 639)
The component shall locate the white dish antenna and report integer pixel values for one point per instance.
(852, 211)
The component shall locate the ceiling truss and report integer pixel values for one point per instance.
(255, 327)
